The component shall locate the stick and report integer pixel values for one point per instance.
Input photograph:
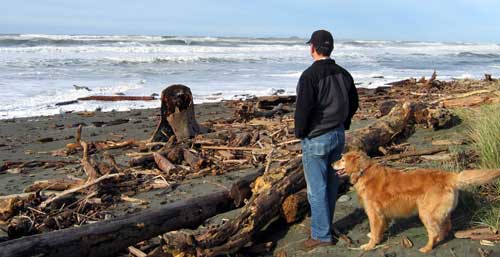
(289, 142)
(483, 91)
(414, 153)
(136, 252)
(76, 189)
(236, 148)
(269, 158)
(89, 169)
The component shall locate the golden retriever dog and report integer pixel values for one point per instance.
(386, 193)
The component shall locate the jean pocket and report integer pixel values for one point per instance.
(319, 149)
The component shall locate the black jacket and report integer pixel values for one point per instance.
(326, 99)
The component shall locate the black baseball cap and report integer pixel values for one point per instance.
(321, 39)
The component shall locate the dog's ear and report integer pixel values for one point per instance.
(351, 162)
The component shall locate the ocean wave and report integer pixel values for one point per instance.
(187, 59)
(478, 55)
(33, 40)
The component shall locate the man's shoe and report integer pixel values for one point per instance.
(310, 244)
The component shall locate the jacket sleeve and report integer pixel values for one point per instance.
(353, 103)
(304, 106)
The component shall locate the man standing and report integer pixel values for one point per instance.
(326, 101)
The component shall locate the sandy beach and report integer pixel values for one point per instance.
(32, 140)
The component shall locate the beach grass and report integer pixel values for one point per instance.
(483, 129)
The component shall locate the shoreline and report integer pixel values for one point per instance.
(235, 98)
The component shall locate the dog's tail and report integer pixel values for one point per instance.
(476, 177)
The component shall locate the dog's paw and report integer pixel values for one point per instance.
(425, 250)
(367, 247)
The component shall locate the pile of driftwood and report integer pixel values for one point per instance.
(259, 135)
(447, 94)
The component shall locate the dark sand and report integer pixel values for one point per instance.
(19, 141)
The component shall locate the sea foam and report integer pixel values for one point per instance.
(38, 71)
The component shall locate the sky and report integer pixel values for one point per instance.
(424, 20)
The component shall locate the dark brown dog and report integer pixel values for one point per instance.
(388, 193)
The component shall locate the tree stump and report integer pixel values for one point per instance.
(177, 115)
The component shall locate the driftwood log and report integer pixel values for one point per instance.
(381, 132)
(177, 115)
(242, 190)
(259, 212)
(270, 102)
(58, 184)
(414, 153)
(115, 98)
(296, 206)
(106, 238)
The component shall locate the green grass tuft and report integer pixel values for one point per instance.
(483, 129)
(489, 216)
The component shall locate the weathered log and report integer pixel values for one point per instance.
(174, 155)
(142, 160)
(177, 115)
(242, 190)
(115, 98)
(481, 233)
(271, 102)
(386, 106)
(475, 100)
(193, 160)
(438, 157)
(66, 103)
(414, 153)
(7, 203)
(258, 213)
(58, 184)
(410, 81)
(163, 163)
(381, 132)
(295, 206)
(108, 237)
(19, 226)
(441, 118)
(279, 109)
(247, 111)
(463, 95)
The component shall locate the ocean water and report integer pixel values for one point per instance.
(38, 71)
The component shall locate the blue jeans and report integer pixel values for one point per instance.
(318, 153)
